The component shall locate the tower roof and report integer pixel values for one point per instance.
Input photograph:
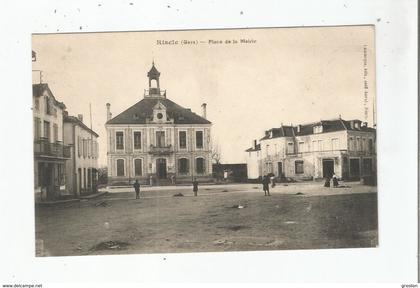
(153, 72)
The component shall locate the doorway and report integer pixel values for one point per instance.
(327, 167)
(280, 170)
(161, 168)
(354, 168)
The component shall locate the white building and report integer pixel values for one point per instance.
(81, 169)
(317, 150)
(159, 139)
(252, 161)
(50, 154)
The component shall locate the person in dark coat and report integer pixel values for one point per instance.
(195, 186)
(266, 185)
(136, 186)
(327, 181)
(335, 181)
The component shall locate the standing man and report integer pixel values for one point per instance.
(266, 185)
(195, 186)
(137, 188)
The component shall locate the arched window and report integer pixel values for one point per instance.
(199, 165)
(120, 167)
(153, 83)
(138, 167)
(183, 166)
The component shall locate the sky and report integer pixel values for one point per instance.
(279, 76)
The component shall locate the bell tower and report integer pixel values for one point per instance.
(154, 86)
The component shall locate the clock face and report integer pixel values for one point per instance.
(159, 115)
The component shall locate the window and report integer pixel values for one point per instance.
(351, 144)
(367, 166)
(199, 164)
(314, 145)
(160, 138)
(37, 104)
(335, 144)
(317, 129)
(199, 139)
(290, 148)
(47, 128)
(79, 146)
(37, 128)
(120, 167)
(119, 136)
(301, 147)
(183, 165)
(267, 150)
(89, 147)
(48, 106)
(370, 145)
(85, 147)
(55, 132)
(138, 171)
(358, 144)
(320, 146)
(137, 140)
(364, 146)
(182, 139)
(299, 167)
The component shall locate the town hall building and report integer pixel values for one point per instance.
(158, 140)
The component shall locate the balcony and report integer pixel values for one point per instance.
(161, 150)
(44, 148)
(154, 92)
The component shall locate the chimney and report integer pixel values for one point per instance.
(80, 117)
(299, 128)
(352, 124)
(108, 112)
(204, 110)
(255, 144)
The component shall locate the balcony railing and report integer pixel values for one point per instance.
(154, 92)
(44, 148)
(160, 150)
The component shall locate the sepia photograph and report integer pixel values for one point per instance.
(204, 140)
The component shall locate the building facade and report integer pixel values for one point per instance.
(158, 140)
(252, 161)
(82, 168)
(317, 150)
(50, 153)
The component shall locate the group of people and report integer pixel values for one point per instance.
(136, 186)
(334, 181)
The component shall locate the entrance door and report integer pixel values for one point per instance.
(327, 167)
(47, 180)
(280, 169)
(354, 168)
(161, 168)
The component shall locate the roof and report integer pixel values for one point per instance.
(252, 149)
(39, 89)
(332, 125)
(153, 72)
(74, 120)
(142, 111)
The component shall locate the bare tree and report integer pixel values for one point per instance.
(216, 154)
